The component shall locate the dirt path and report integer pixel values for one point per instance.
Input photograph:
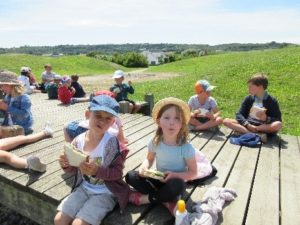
(104, 81)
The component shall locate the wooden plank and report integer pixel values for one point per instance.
(290, 180)
(264, 204)
(240, 180)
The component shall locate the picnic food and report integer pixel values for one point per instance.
(255, 110)
(155, 174)
(75, 156)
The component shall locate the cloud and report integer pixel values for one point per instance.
(133, 21)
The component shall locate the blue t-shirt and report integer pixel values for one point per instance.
(171, 158)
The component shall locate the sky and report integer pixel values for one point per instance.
(57, 22)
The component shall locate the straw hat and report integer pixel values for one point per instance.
(174, 101)
(7, 77)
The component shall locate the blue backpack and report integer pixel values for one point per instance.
(249, 139)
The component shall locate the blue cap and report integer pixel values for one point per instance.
(249, 139)
(104, 103)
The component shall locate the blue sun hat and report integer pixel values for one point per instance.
(106, 104)
(249, 140)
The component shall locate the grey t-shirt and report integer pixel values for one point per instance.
(194, 103)
(48, 76)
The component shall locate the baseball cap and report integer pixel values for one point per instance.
(104, 103)
(248, 139)
(203, 85)
(65, 79)
(118, 74)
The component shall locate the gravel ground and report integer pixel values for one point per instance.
(9, 217)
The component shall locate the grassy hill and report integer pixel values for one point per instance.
(230, 72)
(62, 65)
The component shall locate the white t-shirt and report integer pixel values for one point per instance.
(48, 76)
(91, 183)
(209, 104)
(25, 82)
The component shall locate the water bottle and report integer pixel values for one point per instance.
(9, 120)
(180, 212)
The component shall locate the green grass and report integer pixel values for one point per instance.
(61, 65)
(230, 72)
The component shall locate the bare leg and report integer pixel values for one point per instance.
(12, 160)
(210, 124)
(195, 122)
(234, 125)
(79, 221)
(12, 142)
(270, 128)
(62, 219)
(136, 108)
(121, 136)
(131, 108)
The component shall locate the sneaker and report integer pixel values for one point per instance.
(135, 198)
(48, 130)
(73, 101)
(34, 163)
(263, 137)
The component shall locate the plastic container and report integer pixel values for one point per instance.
(180, 212)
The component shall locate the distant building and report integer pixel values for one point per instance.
(153, 57)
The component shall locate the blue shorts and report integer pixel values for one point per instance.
(73, 129)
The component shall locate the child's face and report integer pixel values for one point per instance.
(254, 89)
(119, 80)
(170, 122)
(204, 94)
(100, 121)
(6, 88)
(48, 69)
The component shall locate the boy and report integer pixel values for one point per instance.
(100, 183)
(47, 77)
(52, 87)
(79, 92)
(205, 113)
(259, 112)
(121, 90)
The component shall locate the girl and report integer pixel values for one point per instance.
(65, 91)
(16, 105)
(174, 157)
(32, 162)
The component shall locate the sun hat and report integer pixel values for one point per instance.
(248, 139)
(24, 69)
(118, 74)
(203, 85)
(7, 77)
(104, 103)
(171, 101)
(65, 79)
(57, 77)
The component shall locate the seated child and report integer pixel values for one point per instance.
(259, 112)
(174, 157)
(47, 77)
(16, 105)
(79, 92)
(100, 185)
(121, 90)
(65, 91)
(52, 87)
(24, 79)
(32, 162)
(205, 113)
(74, 128)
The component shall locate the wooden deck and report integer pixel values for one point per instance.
(267, 179)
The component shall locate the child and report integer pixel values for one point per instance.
(259, 112)
(79, 92)
(74, 128)
(16, 105)
(47, 77)
(52, 87)
(65, 91)
(100, 183)
(173, 155)
(32, 162)
(121, 90)
(24, 79)
(205, 113)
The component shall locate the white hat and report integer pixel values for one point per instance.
(118, 74)
(24, 69)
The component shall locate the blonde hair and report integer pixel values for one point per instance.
(17, 90)
(183, 134)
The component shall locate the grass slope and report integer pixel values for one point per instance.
(230, 72)
(62, 65)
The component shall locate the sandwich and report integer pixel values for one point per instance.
(155, 174)
(74, 155)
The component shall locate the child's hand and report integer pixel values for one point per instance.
(210, 116)
(3, 106)
(196, 112)
(169, 175)
(261, 115)
(63, 161)
(129, 82)
(142, 171)
(88, 168)
(251, 128)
